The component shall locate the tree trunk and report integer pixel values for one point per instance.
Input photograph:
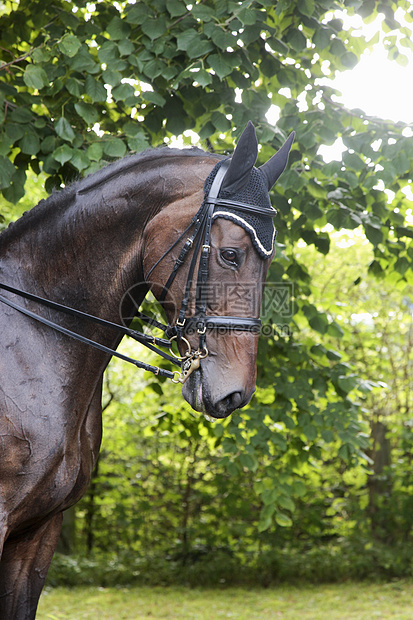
(66, 542)
(379, 484)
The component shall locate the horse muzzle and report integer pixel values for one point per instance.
(213, 400)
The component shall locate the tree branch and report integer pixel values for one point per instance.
(16, 60)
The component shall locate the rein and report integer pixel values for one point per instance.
(200, 241)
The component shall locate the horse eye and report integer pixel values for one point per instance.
(229, 256)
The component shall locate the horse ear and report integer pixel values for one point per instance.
(275, 166)
(242, 162)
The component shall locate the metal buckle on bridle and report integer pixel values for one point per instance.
(188, 351)
(190, 364)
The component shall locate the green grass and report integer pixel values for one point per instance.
(348, 601)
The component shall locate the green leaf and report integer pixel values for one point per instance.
(95, 90)
(122, 92)
(126, 47)
(269, 496)
(264, 523)
(21, 115)
(319, 322)
(296, 39)
(349, 60)
(30, 143)
(299, 489)
(176, 8)
(108, 52)
(131, 128)
(80, 160)
(218, 63)
(222, 38)
(321, 37)
(15, 131)
(6, 172)
(286, 502)
(402, 265)
(82, 61)
(15, 191)
(220, 121)
(248, 461)
(402, 60)
(278, 45)
(138, 143)
(266, 517)
(310, 432)
(75, 87)
(114, 147)
(335, 331)
(203, 78)
(87, 111)
(63, 154)
(283, 520)
(95, 151)
(202, 12)
(248, 16)
(35, 77)
(118, 29)
(306, 7)
(327, 435)
(64, 130)
(69, 45)
(207, 130)
(337, 48)
(347, 382)
(187, 38)
(154, 28)
(4, 145)
(154, 68)
(41, 54)
(111, 77)
(155, 98)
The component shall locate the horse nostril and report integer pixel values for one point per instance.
(227, 405)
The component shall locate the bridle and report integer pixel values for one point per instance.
(199, 230)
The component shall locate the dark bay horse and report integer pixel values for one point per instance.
(84, 247)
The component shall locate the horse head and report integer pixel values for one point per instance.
(214, 302)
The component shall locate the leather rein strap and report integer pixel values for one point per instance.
(145, 339)
(200, 241)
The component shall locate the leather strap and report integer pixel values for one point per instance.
(236, 323)
(200, 241)
(157, 371)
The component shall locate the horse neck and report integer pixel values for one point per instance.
(83, 247)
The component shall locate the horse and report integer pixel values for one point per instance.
(136, 224)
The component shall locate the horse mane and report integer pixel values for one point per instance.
(61, 198)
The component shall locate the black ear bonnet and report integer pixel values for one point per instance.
(260, 227)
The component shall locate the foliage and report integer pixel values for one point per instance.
(326, 563)
(85, 83)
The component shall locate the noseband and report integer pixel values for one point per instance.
(200, 322)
